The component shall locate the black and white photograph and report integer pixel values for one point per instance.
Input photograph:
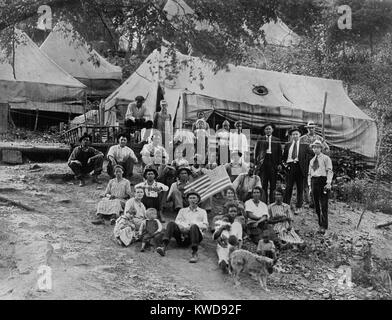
(208, 152)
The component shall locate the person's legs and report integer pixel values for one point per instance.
(324, 204)
(223, 257)
(290, 183)
(128, 167)
(177, 199)
(272, 184)
(316, 198)
(264, 180)
(96, 165)
(110, 169)
(172, 230)
(299, 179)
(195, 237)
(77, 169)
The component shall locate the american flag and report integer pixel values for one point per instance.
(211, 183)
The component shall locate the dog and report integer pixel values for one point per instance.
(257, 266)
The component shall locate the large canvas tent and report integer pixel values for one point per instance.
(32, 81)
(191, 85)
(66, 47)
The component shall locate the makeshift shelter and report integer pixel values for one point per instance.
(255, 96)
(32, 81)
(65, 46)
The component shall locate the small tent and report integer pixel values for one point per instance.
(255, 96)
(279, 34)
(32, 81)
(66, 47)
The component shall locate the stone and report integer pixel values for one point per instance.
(12, 156)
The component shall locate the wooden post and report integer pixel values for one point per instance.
(36, 119)
(324, 106)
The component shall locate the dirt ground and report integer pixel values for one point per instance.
(87, 264)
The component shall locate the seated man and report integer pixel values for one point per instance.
(85, 159)
(136, 116)
(122, 155)
(245, 182)
(177, 189)
(188, 227)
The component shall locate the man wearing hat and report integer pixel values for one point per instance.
(295, 159)
(268, 158)
(320, 178)
(153, 190)
(122, 155)
(177, 189)
(308, 139)
(85, 159)
(188, 228)
(311, 136)
(136, 115)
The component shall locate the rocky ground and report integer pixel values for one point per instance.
(48, 223)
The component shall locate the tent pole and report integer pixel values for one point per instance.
(324, 106)
(36, 119)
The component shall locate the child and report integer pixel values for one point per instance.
(124, 230)
(151, 230)
(266, 247)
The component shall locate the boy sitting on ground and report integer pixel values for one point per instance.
(266, 247)
(151, 230)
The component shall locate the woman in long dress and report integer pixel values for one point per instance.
(117, 192)
(281, 218)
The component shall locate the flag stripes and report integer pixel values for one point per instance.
(211, 183)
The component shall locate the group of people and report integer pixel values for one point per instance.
(256, 207)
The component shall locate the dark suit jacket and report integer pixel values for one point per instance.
(261, 150)
(304, 153)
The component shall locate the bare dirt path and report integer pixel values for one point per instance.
(85, 262)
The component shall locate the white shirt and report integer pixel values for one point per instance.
(259, 210)
(289, 158)
(269, 150)
(121, 154)
(238, 142)
(152, 190)
(186, 217)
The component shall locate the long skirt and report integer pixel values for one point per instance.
(288, 236)
(109, 207)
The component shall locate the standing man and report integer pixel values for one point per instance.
(121, 155)
(320, 179)
(162, 122)
(136, 115)
(308, 139)
(188, 228)
(85, 159)
(238, 140)
(295, 159)
(268, 158)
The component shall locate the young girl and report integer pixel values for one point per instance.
(151, 230)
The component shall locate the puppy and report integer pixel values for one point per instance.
(257, 266)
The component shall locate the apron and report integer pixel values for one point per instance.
(151, 202)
